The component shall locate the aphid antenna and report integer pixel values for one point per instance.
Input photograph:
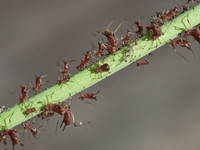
(15, 95)
(119, 25)
(110, 23)
(58, 66)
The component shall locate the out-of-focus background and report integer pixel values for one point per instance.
(157, 109)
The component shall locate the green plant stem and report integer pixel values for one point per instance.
(87, 77)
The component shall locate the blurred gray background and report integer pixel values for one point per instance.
(157, 109)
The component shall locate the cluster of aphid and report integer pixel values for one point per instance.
(104, 49)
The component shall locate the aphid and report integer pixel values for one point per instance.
(39, 84)
(64, 80)
(66, 68)
(194, 32)
(60, 109)
(112, 38)
(156, 19)
(14, 136)
(156, 30)
(140, 26)
(32, 128)
(183, 42)
(88, 58)
(141, 63)
(185, 8)
(24, 94)
(45, 115)
(127, 37)
(55, 108)
(81, 66)
(102, 68)
(31, 110)
(89, 95)
(69, 119)
(170, 15)
(24, 91)
(102, 47)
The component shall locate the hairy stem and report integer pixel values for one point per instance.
(87, 77)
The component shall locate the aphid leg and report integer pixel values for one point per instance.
(178, 52)
(80, 123)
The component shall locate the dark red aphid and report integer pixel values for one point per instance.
(156, 30)
(64, 80)
(185, 8)
(55, 108)
(88, 58)
(141, 63)
(24, 91)
(112, 38)
(45, 115)
(31, 110)
(24, 94)
(32, 128)
(140, 26)
(66, 67)
(60, 109)
(102, 68)
(14, 136)
(127, 37)
(89, 95)
(170, 15)
(69, 119)
(195, 33)
(183, 42)
(39, 84)
(102, 47)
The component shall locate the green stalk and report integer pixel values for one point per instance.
(87, 77)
